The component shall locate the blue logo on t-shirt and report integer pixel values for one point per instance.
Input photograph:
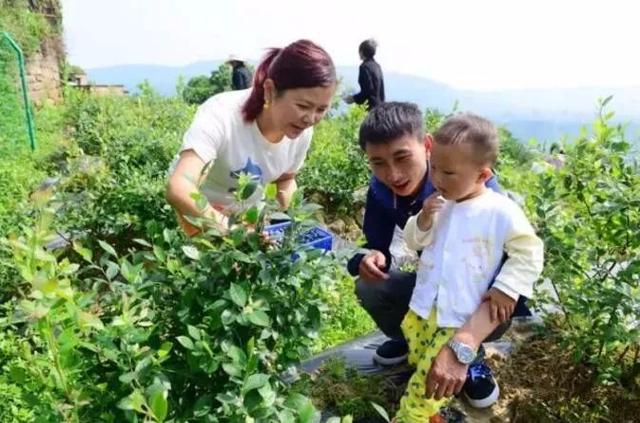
(249, 169)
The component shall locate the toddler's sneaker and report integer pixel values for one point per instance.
(481, 389)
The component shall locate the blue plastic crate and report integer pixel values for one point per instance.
(315, 237)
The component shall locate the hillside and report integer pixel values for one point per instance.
(543, 114)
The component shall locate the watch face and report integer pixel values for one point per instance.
(466, 354)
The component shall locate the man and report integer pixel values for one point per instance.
(370, 77)
(393, 137)
(240, 74)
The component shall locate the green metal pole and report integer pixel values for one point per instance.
(25, 91)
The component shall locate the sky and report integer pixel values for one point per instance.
(467, 44)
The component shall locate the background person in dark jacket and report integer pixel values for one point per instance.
(240, 74)
(370, 77)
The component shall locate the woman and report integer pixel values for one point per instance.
(264, 131)
(370, 77)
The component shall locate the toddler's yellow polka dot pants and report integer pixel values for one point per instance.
(425, 339)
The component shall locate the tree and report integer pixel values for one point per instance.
(200, 88)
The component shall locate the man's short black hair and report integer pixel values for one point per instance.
(368, 48)
(390, 121)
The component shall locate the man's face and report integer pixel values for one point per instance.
(400, 164)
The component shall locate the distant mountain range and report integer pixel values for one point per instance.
(544, 114)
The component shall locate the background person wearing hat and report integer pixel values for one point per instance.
(241, 75)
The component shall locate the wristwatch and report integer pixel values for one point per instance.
(464, 353)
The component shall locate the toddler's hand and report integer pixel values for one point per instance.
(502, 305)
(430, 206)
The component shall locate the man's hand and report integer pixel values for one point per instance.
(430, 206)
(502, 305)
(446, 375)
(372, 265)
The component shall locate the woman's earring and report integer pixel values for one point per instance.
(266, 105)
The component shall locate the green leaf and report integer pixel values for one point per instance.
(256, 381)
(202, 406)
(238, 294)
(271, 191)
(241, 257)
(231, 369)
(252, 401)
(159, 253)
(228, 318)
(381, 411)
(226, 398)
(67, 268)
(85, 253)
(280, 216)
(164, 349)
(268, 395)
(142, 242)
(127, 377)
(144, 363)
(251, 215)
(307, 413)
(191, 252)
(252, 363)
(237, 355)
(248, 190)
(134, 401)
(259, 318)
(168, 235)
(285, 416)
(129, 271)
(158, 404)
(194, 332)
(112, 270)
(295, 401)
(18, 374)
(88, 320)
(185, 342)
(108, 248)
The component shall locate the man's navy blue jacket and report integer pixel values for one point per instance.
(384, 210)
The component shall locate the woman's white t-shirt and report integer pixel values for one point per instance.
(230, 146)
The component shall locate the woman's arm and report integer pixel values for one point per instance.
(182, 183)
(286, 185)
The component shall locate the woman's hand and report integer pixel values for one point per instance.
(182, 183)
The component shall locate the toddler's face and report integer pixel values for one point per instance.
(454, 172)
